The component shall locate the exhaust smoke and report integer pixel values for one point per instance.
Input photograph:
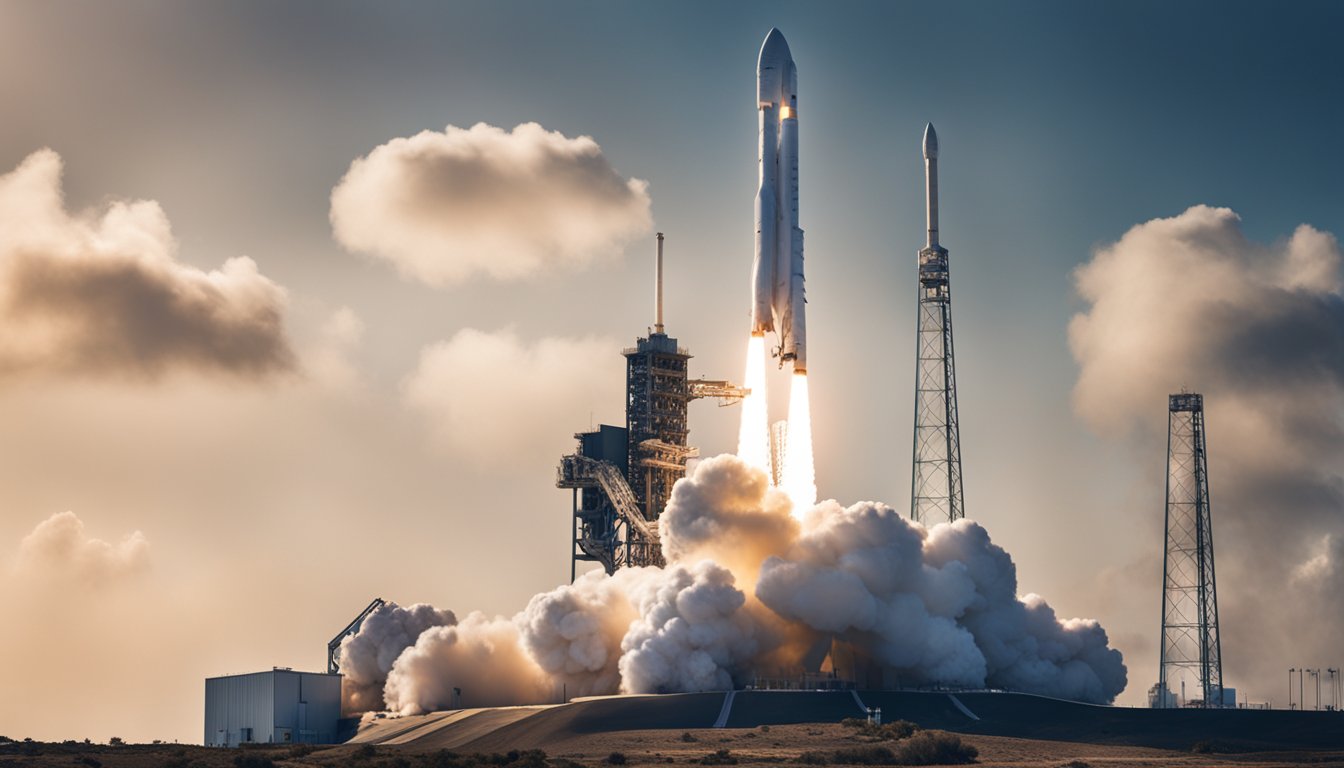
(749, 590)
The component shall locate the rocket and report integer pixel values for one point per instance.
(778, 303)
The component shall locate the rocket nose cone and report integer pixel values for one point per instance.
(775, 49)
(930, 142)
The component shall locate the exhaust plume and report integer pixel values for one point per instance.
(799, 477)
(749, 589)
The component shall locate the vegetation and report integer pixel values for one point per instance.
(615, 758)
(688, 737)
(922, 748)
(893, 731)
(721, 757)
(246, 760)
(532, 758)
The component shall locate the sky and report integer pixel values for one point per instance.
(287, 380)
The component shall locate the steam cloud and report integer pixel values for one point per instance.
(749, 589)
(443, 207)
(103, 293)
(60, 547)
(367, 656)
(463, 384)
(1189, 301)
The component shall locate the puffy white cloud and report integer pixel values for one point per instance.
(446, 206)
(102, 292)
(492, 399)
(60, 548)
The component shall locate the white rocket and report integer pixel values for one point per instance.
(777, 276)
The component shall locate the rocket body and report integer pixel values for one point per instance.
(778, 302)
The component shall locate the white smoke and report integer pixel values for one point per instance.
(367, 656)
(932, 606)
(481, 657)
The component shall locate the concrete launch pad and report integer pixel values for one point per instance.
(986, 713)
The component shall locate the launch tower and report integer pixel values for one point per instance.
(622, 478)
(935, 495)
(1190, 644)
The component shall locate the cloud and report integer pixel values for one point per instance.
(1258, 329)
(60, 548)
(102, 292)
(493, 399)
(446, 206)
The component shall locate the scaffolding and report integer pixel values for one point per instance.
(1190, 642)
(622, 478)
(935, 495)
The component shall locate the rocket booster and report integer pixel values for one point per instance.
(778, 302)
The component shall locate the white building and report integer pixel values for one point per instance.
(276, 707)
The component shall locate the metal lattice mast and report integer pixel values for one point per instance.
(935, 494)
(1190, 644)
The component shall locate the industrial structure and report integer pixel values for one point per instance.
(280, 706)
(1190, 646)
(935, 495)
(622, 477)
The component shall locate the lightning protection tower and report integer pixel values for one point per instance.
(935, 495)
(1190, 645)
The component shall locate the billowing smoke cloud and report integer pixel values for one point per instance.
(935, 606)
(367, 656)
(103, 293)
(481, 657)
(490, 398)
(446, 206)
(1257, 328)
(60, 548)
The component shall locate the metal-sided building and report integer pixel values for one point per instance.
(275, 707)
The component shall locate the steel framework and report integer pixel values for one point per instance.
(935, 494)
(334, 647)
(620, 491)
(1190, 643)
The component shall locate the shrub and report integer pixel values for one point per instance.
(253, 761)
(688, 737)
(814, 758)
(615, 758)
(721, 757)
(935, 748)
(1076, 764)
(177, 761)
(301, 750)
(893, 731)
(115, 741)
(765, 729)
(364, 752)
(871, 755)
(90, 761)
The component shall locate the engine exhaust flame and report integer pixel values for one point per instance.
(753, 439)
(799, 479)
